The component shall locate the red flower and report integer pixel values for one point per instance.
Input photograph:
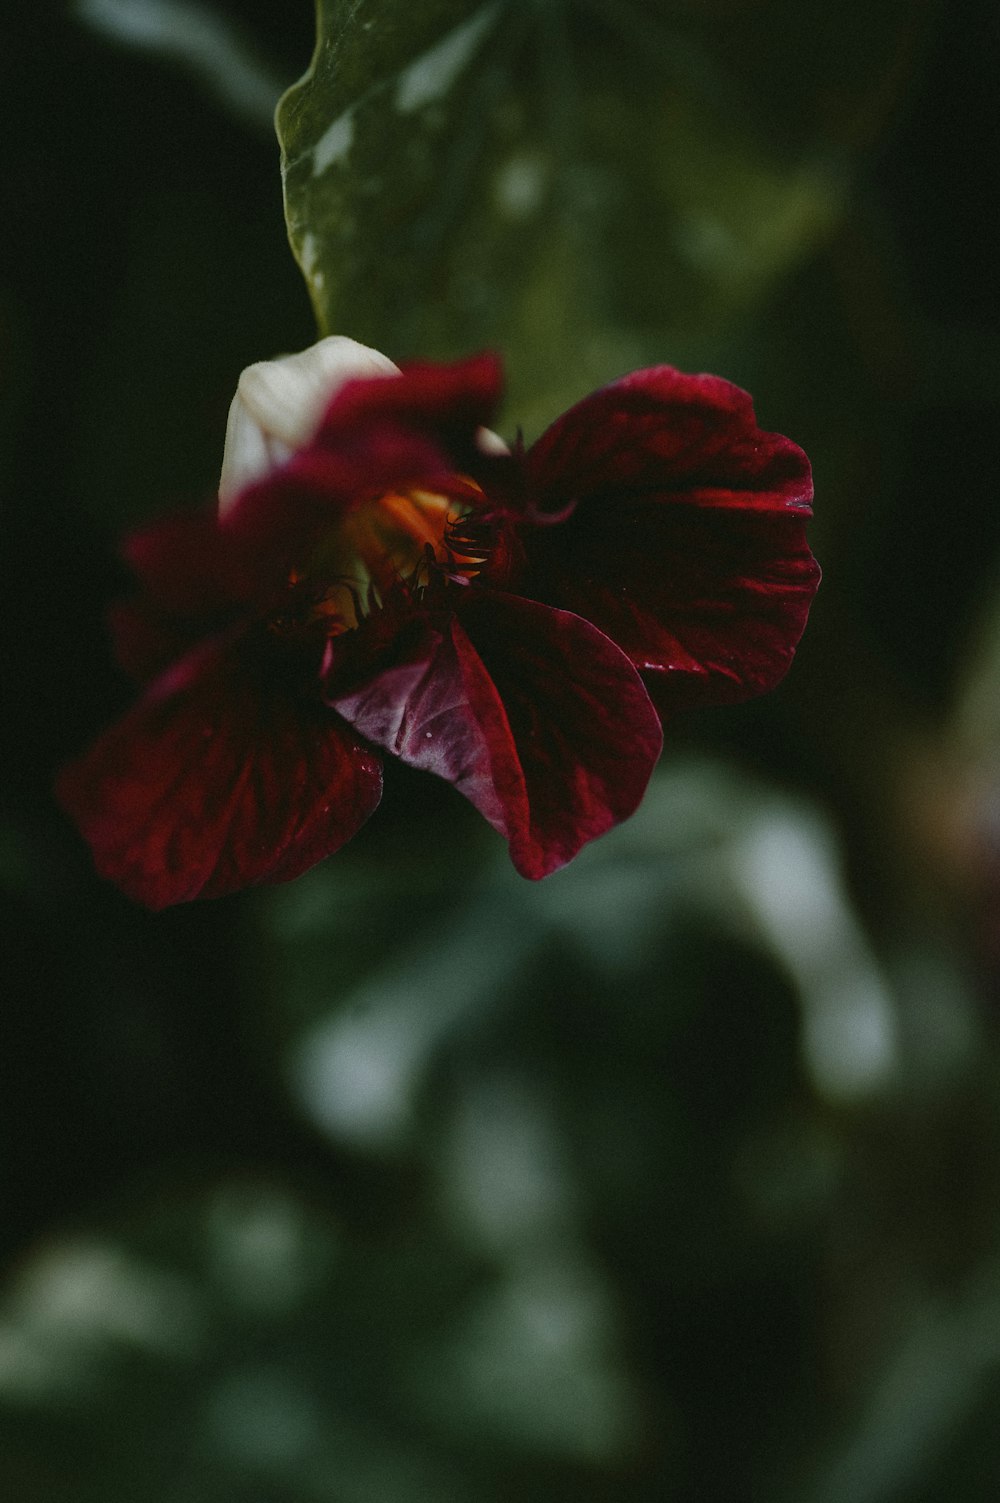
(396, 582)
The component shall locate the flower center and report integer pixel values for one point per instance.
(405, 538)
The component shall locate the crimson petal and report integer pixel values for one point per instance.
(185, 565)
(693, 438)
(686, 538)
(415, 429)
(193, 585)
(146, 640)
(217, 779)
(449, 401)
(536, 717)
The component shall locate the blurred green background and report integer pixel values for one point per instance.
(676, 1177)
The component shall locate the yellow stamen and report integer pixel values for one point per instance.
(379, 542)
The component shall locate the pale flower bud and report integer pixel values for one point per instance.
(279, 403)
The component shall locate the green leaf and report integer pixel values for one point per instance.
(576, 185)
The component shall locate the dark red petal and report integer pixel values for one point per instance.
(417, 429)
(449, 401)
(538, 719)
(185, 565)
(660, 433)
(687, 542)
(216, 780)
(195, 586)
(710, 604)
(146, 640)
(275, 525)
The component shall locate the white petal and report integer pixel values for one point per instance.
(278, 404)
(488, 442)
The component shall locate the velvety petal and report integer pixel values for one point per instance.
(276, 524)
(451, 402)
(219, 778)
(686, 543)
(194, 586)
(536, 717)
(710, 604)
(419, 429)
(662, 433)
(185, 566)
(147, 640)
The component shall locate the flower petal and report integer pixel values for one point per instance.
(450, 402)
(278, 404)
(216, 780)
(689, 437)
(685, 541)
(146, 641)
(536, 717)
(422, 428)
(184, 565)
(193, 587)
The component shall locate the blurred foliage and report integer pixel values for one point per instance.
(674, 1178)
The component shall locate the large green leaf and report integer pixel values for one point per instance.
(583, 186)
